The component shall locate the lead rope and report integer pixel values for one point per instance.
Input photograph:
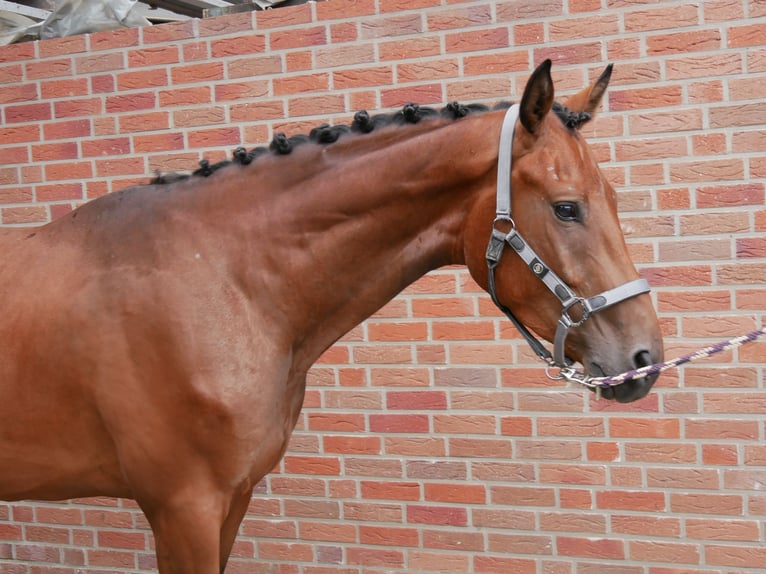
(598, 383)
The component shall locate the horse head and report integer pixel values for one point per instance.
(564, 212)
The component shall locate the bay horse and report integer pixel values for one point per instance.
(154, 343)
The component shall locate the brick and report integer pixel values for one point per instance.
(48, 69)
(572, 474)
(237, 46)
(184, 96)
(64, 87)
(168, 33)
(453, 540)
(18, 93)
(496, 89)
(748, 35)
(523, 496)
(67, 129)
(106, 62)
(400, 331)
(549, 450)
(684, 42)
(385, 423)
(465, 424)
(331, 421)
(661, 18)
(352, 444)
(389, 26)
(455, 493)
(23, 215)
(111, 39)
(703, 66)
(437, 515)
(264, 110)
(687, 479)
(241, 90)
(639, 501)
(373, 557)
(106, 146)
(459, 17)
(723, 530)
(226, 24)
(310, 105)
(471, 41)
(388, 536)
(643, 98)
(695, 250)
(738, 115)
(131, 103)
(739, 556)
(416, 400)
(514, 11)
(69, 170)
(54, 151)
(646, 526)
(721, 428)
(282, 551)
(142, 79)
(580, 53)
(584, 27)
(195, 73)
(153, 56)
(424, 94)
(673, 552)
(399, 377)
(438, 562)
(505, 62)
(102, 83)
(665, 122)
(327, 531)
(28, 113)
(703, 503)
(297, 38)
(20, 51)
(666, 452)
(591, 548)
(415, 446)
(416, 47)
(331, 11)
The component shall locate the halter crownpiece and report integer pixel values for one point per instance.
(568, 298)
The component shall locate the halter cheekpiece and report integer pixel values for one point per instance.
(570, 301)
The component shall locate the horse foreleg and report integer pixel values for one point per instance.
(239, 505)
(187, 533)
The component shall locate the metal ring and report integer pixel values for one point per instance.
(558, 376)
(506, 219)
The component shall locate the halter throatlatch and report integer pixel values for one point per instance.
(570, 301)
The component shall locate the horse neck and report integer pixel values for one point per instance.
(360, 220)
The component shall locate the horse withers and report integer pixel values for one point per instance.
(154, 343)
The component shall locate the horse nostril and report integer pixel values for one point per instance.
(642, 359)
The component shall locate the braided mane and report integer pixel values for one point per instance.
(363, 123)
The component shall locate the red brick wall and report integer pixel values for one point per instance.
(430, 439)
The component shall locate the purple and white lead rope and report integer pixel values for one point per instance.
(604, 382)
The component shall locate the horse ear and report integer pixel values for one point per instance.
(589, 99)
(538, 97)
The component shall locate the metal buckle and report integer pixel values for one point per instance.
(568, 321)
(568, 374)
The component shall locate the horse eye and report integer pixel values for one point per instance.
(567, 211)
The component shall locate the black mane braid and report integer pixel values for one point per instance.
(363, 123)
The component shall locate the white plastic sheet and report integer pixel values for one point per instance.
(72, 17)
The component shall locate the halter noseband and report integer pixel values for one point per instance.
(569, 300)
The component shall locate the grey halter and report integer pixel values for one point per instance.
(553, 282)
